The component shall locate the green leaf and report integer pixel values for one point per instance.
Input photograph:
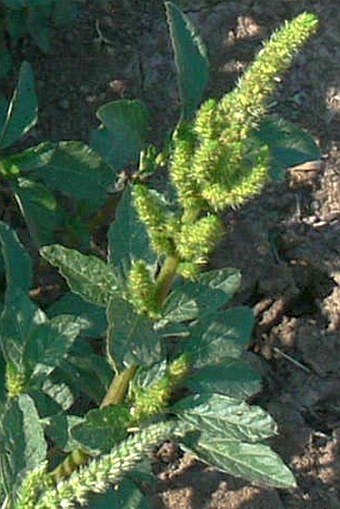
(233, 378)
(223, 336)
(29, 159)
(17, 261)
(58, 429)
(125, 496)
(85, 372)
(190, 59)
(94, 315)
(39, 27)
(225, 417)
(45, 405)
(147, 375)
(255, 462)
(31, 342)
(289, 144)
(121, 136)
(74, 170)
(128, 238)
(208, 293)
(131, 338)
(22, 110)
(87, 276)
(58, 392)
(16, 24)
(23, 444)
(102, 428)
(39, 209)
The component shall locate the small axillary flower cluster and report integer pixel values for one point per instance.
(154, 399)
(15, 381)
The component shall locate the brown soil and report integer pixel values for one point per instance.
(293, 288)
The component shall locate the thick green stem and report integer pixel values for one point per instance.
(165, 278)
(119, 387)
(115, 395)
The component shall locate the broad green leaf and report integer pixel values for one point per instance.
(147, 375)
(17, 261)
(131, 338)
(289, 144)
(58, 429)
(49, 347)
(60, 393)
(121, 136)
(94, 315)
(102, 428)
(23, 441)
(20, 323)
(210, 292)
(16, 23)
(29, 159)
(190, 59)
(22, 110)
(6, 62)
(39, 209)
(32, 343)
(125, 496)
(255, 462)
(85, 372)
(38, 25)
(224, 336)
(225, 417)
(128, 238)
(45, 405)
(76, 171)
(87, 276)
(234, 378)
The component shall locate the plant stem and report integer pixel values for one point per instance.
(164, 280)
(118, 387)
(115, 395)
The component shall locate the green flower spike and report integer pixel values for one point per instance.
(142, 289)
(189, 194)
(159, 223)
(250, 182)
(217, 166)
(196, 241)
(245, 106)
(32, 486)
(109, 469)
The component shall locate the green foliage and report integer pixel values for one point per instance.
(150, 287)
(34, 18)
(39, 176)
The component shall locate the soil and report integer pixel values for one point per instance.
(121, 49)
